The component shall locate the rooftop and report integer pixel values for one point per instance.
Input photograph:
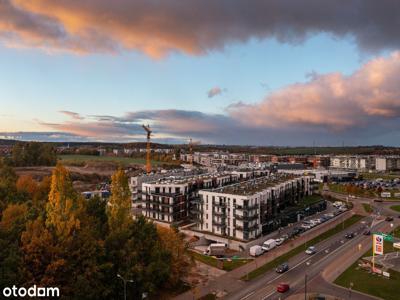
(253, 186)
(186, 179)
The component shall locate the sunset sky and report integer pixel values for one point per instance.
(278, 72)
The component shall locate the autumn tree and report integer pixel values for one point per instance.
(181, 262)
(119, 211)
(60, 249)
(11, 226)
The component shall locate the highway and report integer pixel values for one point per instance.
(328, 252)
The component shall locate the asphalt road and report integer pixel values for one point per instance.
(328, 252)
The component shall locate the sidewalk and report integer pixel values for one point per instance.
(230, 281)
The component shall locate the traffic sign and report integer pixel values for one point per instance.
(386, 236)
(377, 244)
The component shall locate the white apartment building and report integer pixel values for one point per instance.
(360, 163)
(170, 199)
(389, 163)
(246, 210)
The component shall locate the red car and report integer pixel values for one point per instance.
(282, 287)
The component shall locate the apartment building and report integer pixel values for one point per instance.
(389, 163)
(249, 209)
(171, 199)
(360, 163)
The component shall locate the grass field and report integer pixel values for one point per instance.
(379, 175)
(81, 159)
(395, 207)
(367, 207)
(227, 265)
(372, 284)
(285, 257)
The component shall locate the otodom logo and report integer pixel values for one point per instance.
(33, 291)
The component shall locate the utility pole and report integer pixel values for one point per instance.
(125, 282)
(305, 286)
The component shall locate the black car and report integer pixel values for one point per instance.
(349, 235)
(389, 219)
(367, 232)
(282, 268)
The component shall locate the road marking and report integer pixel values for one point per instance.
(266, 297)
(248, 295)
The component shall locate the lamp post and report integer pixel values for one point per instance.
(305, 280)
(125, 282)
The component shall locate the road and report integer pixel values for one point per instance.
(331, 251)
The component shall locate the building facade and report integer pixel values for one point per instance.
(247, 210)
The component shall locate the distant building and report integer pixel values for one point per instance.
(359, 163)
(390, 163)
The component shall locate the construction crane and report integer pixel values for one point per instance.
(191, 143)
(148, 162)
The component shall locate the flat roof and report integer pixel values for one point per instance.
(253, 186)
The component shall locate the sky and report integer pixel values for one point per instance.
(277, 72)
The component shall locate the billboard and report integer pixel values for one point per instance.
(377, 244)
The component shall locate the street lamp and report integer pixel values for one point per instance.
(305, 280)
(125, 282)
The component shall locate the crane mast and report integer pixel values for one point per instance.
(148, 162)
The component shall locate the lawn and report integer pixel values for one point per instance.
(308, 200)
(372, 284)
(367, 207)
(285, 257)
(226, 265)
(379, 175)
(80, 159)
(375, 285)
(395, 207)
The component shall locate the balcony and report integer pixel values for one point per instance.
(220, 223)
(219, 204)
(246, 218)
(220, 213)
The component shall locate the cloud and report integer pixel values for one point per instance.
(193, 27)
(72, 114)
(371, 95)
(363, 106)
(215, 91)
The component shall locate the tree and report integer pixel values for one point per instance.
(11, 225)
(8, 190)
(119, 211)
(60, 249)
(181, 262)
(63, 205)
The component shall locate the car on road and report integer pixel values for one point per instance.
(367, 232)
(279, 241)
(389, 219)
(349, 235)
(282, 268)
(282, 287)
(311, 250)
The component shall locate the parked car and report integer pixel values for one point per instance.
(279, 241)
(282, 268)
(282, 287)
(285, 237)
(349, 235)
(269, 245)
(389, 219)
(256, 251)
(311, 250)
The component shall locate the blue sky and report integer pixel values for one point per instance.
(287, 74)
(36, 85)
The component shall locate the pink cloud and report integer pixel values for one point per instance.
(193, 27)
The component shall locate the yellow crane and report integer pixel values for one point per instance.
(148, 162)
